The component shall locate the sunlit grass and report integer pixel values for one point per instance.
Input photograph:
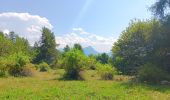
(47, 86)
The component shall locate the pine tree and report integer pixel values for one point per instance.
(47, 49)
(78, 47)
(66, 48)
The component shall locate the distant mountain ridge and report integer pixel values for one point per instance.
(90, 50)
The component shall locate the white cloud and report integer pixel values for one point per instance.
(80, 31)
(101, 44)
(24, 25)
(29, 26)
(77, 29)
(6, 31)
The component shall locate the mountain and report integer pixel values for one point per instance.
(90, 50)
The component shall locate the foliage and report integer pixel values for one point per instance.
(43, 67)
(3, 73)
(56, 61)
(13, 64)
(106, 71)
(103, 58)
(78, 46)
(91, 62)
(135, 46)
(47, 48)
(3, 67)
(5, 45)
(161, 45)
(119, 62)
(66, 48)
(59, 64)
(74, 62)
(12, 43)
(160, 8)
(18, 63)
(151, 73)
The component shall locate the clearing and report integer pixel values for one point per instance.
(47, 86)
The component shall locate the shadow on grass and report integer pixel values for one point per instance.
(64, 78)
(68, 79)
(154, 87)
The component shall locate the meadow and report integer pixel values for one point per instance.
(48, 86)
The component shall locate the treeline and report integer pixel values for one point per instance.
(19, 58)
(15, 52)
(143, 49)
(74, 61)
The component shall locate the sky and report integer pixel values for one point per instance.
(96, 23)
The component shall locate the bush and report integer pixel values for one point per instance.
(15, 70)
(152, 74)
(74, 62)
(18, 62)
(13, 64)
(58, 64)
(91, 63)
(21, 71)
(106, 71)
(3, 67)
(27, 71)
(43, 67)
(3, 73)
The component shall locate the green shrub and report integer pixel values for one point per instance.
(3, 73)
(18, 62)
(74, 62)
(15, 70)
(3, 67)
(43, 67)
(26, 70)
(22, 60)
(13, 64)
(91, 63)
(106, 71)
(152, 74)
(58, 64)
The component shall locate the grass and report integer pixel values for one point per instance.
(46, 86)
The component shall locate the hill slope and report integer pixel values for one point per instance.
(90, 50)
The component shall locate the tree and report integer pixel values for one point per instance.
(162, 47)
(22, 45)
(6, 46)
(103, 58)
(15, 54)
(11, 43)
(12, 36)
(78, 46)
(47, 49)
(66, 48)
(74, 62)
(160, 8)
(136, 45)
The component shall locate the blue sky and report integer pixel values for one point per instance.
(103, 18)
